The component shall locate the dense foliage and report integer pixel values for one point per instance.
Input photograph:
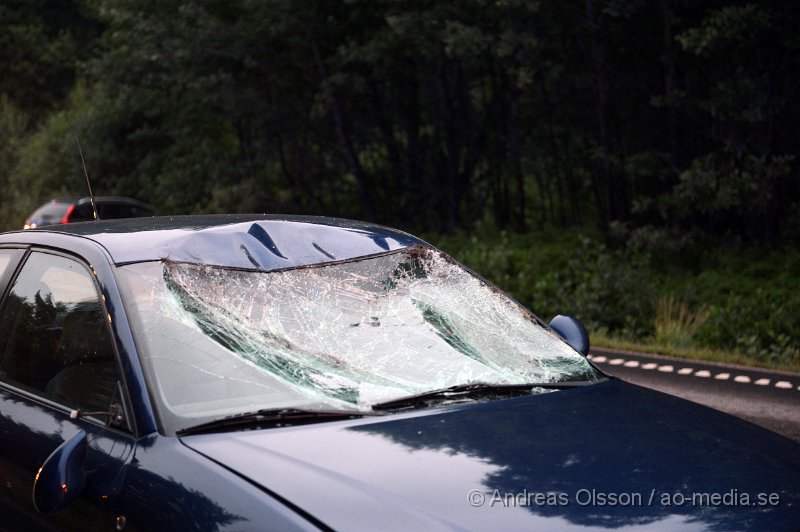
(723, 299)
(661, 121)
(662, 127)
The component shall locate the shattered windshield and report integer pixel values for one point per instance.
(339, 336)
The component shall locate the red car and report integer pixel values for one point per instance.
(64, 211)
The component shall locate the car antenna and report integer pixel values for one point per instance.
(86, 173)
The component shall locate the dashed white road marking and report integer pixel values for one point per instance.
(702, 373)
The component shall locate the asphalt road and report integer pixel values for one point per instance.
(764, 397)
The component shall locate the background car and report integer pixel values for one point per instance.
(265, 372)
(69, 210)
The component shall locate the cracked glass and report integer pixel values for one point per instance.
(338, 336)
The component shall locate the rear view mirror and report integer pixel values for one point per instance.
(572, 331)
(61, 478)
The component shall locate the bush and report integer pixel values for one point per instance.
(608, 290)
(763, 324)
(727, 299)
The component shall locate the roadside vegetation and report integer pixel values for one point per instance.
(712, 302)
(651, 147)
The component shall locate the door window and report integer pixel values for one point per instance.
(54, 339)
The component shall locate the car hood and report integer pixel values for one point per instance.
(610, 455)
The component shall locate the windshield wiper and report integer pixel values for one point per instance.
(476, 390)
(277, 417)
(283, 417)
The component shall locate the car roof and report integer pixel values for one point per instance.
(258, 242)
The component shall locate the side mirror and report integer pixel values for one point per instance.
(61, 478)
(572, 331)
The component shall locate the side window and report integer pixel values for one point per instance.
(54, 340)
(110, 210)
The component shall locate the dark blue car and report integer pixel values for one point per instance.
(258, 372)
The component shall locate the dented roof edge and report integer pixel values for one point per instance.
(255, 242)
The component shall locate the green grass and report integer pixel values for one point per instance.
(689, 353)
(675, 324)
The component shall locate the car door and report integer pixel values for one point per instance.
(59, 375)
